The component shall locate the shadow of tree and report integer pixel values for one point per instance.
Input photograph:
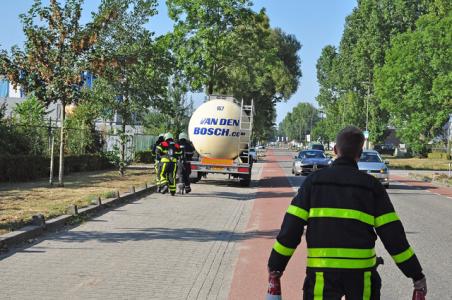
(160, 233)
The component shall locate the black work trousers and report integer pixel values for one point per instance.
(333, 285)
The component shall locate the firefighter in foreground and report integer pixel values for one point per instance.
(187, 151)
(169, 151)
(344, 210)
(157, 156)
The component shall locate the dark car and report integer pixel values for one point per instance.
(316, 146)
(308, 161)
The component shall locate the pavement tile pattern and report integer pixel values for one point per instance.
(159, 247)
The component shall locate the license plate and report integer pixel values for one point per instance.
(217, 168)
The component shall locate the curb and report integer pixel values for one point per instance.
(30, 232)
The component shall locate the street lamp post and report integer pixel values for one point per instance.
(367, 113)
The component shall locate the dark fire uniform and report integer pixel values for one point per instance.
(344, 210)
(187, 151)
(169, 152)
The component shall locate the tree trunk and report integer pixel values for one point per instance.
(61, 167)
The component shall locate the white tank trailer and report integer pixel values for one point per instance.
(220, 130)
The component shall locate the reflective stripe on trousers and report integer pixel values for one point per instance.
(360, 285)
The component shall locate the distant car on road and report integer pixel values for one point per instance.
(308, 161)
(371, 163)
(316, 146)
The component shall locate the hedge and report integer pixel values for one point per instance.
(438, 155)
(16, 168)
(145, 156)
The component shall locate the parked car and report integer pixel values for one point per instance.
(308, 161)
(371, 163)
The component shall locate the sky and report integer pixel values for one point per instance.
(315, 23)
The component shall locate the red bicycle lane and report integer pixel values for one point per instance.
(272, 199)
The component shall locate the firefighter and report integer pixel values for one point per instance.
(157, 153)
(187, 151)
(168, 164)
(344, 210)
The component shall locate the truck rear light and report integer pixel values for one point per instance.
(243, 170)
(194, 167)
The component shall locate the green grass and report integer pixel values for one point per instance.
(20, 201)
(418, 164)
(441, 179)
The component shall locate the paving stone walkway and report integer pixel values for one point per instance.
(159, 247)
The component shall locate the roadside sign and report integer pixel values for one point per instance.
(366, 134)
(308, 138)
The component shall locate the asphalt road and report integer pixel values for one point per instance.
(427, 219)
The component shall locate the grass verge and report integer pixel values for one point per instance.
(441, 179)
(418, 164)
(20, 201)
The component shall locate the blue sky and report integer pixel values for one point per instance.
(316, 23)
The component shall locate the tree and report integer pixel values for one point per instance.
(346, 75)
(414, 84)
(203, 38)
(175, 114)
(300, 122)
(134, 69)
(57, 50)
(226, 48)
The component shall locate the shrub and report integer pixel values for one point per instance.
(15, 168)
(145, 156)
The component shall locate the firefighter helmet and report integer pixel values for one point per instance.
(168, 136)
(183, 136)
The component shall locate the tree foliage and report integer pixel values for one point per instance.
(300, 122)
(57, 50)
(415, 82)
(346, 74)
(132, 69)
(30, 124)
(224, 47)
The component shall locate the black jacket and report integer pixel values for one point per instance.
(344, 210)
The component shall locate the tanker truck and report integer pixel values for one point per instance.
(220, 130)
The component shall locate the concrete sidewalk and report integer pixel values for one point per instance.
(159, 247)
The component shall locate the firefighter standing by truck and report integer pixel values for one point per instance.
(344, 210)
(187, 151)
(169, 152)
(157, 156)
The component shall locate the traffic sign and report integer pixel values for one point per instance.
(366, 134)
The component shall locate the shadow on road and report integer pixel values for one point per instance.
(275, 182)
(146, 234)
(411, 187)
(223, 195)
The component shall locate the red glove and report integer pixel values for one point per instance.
(274, 283)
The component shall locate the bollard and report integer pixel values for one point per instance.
(39, 220)
(72, 210)
(118, 196)
(96, 201)
(146, 185)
